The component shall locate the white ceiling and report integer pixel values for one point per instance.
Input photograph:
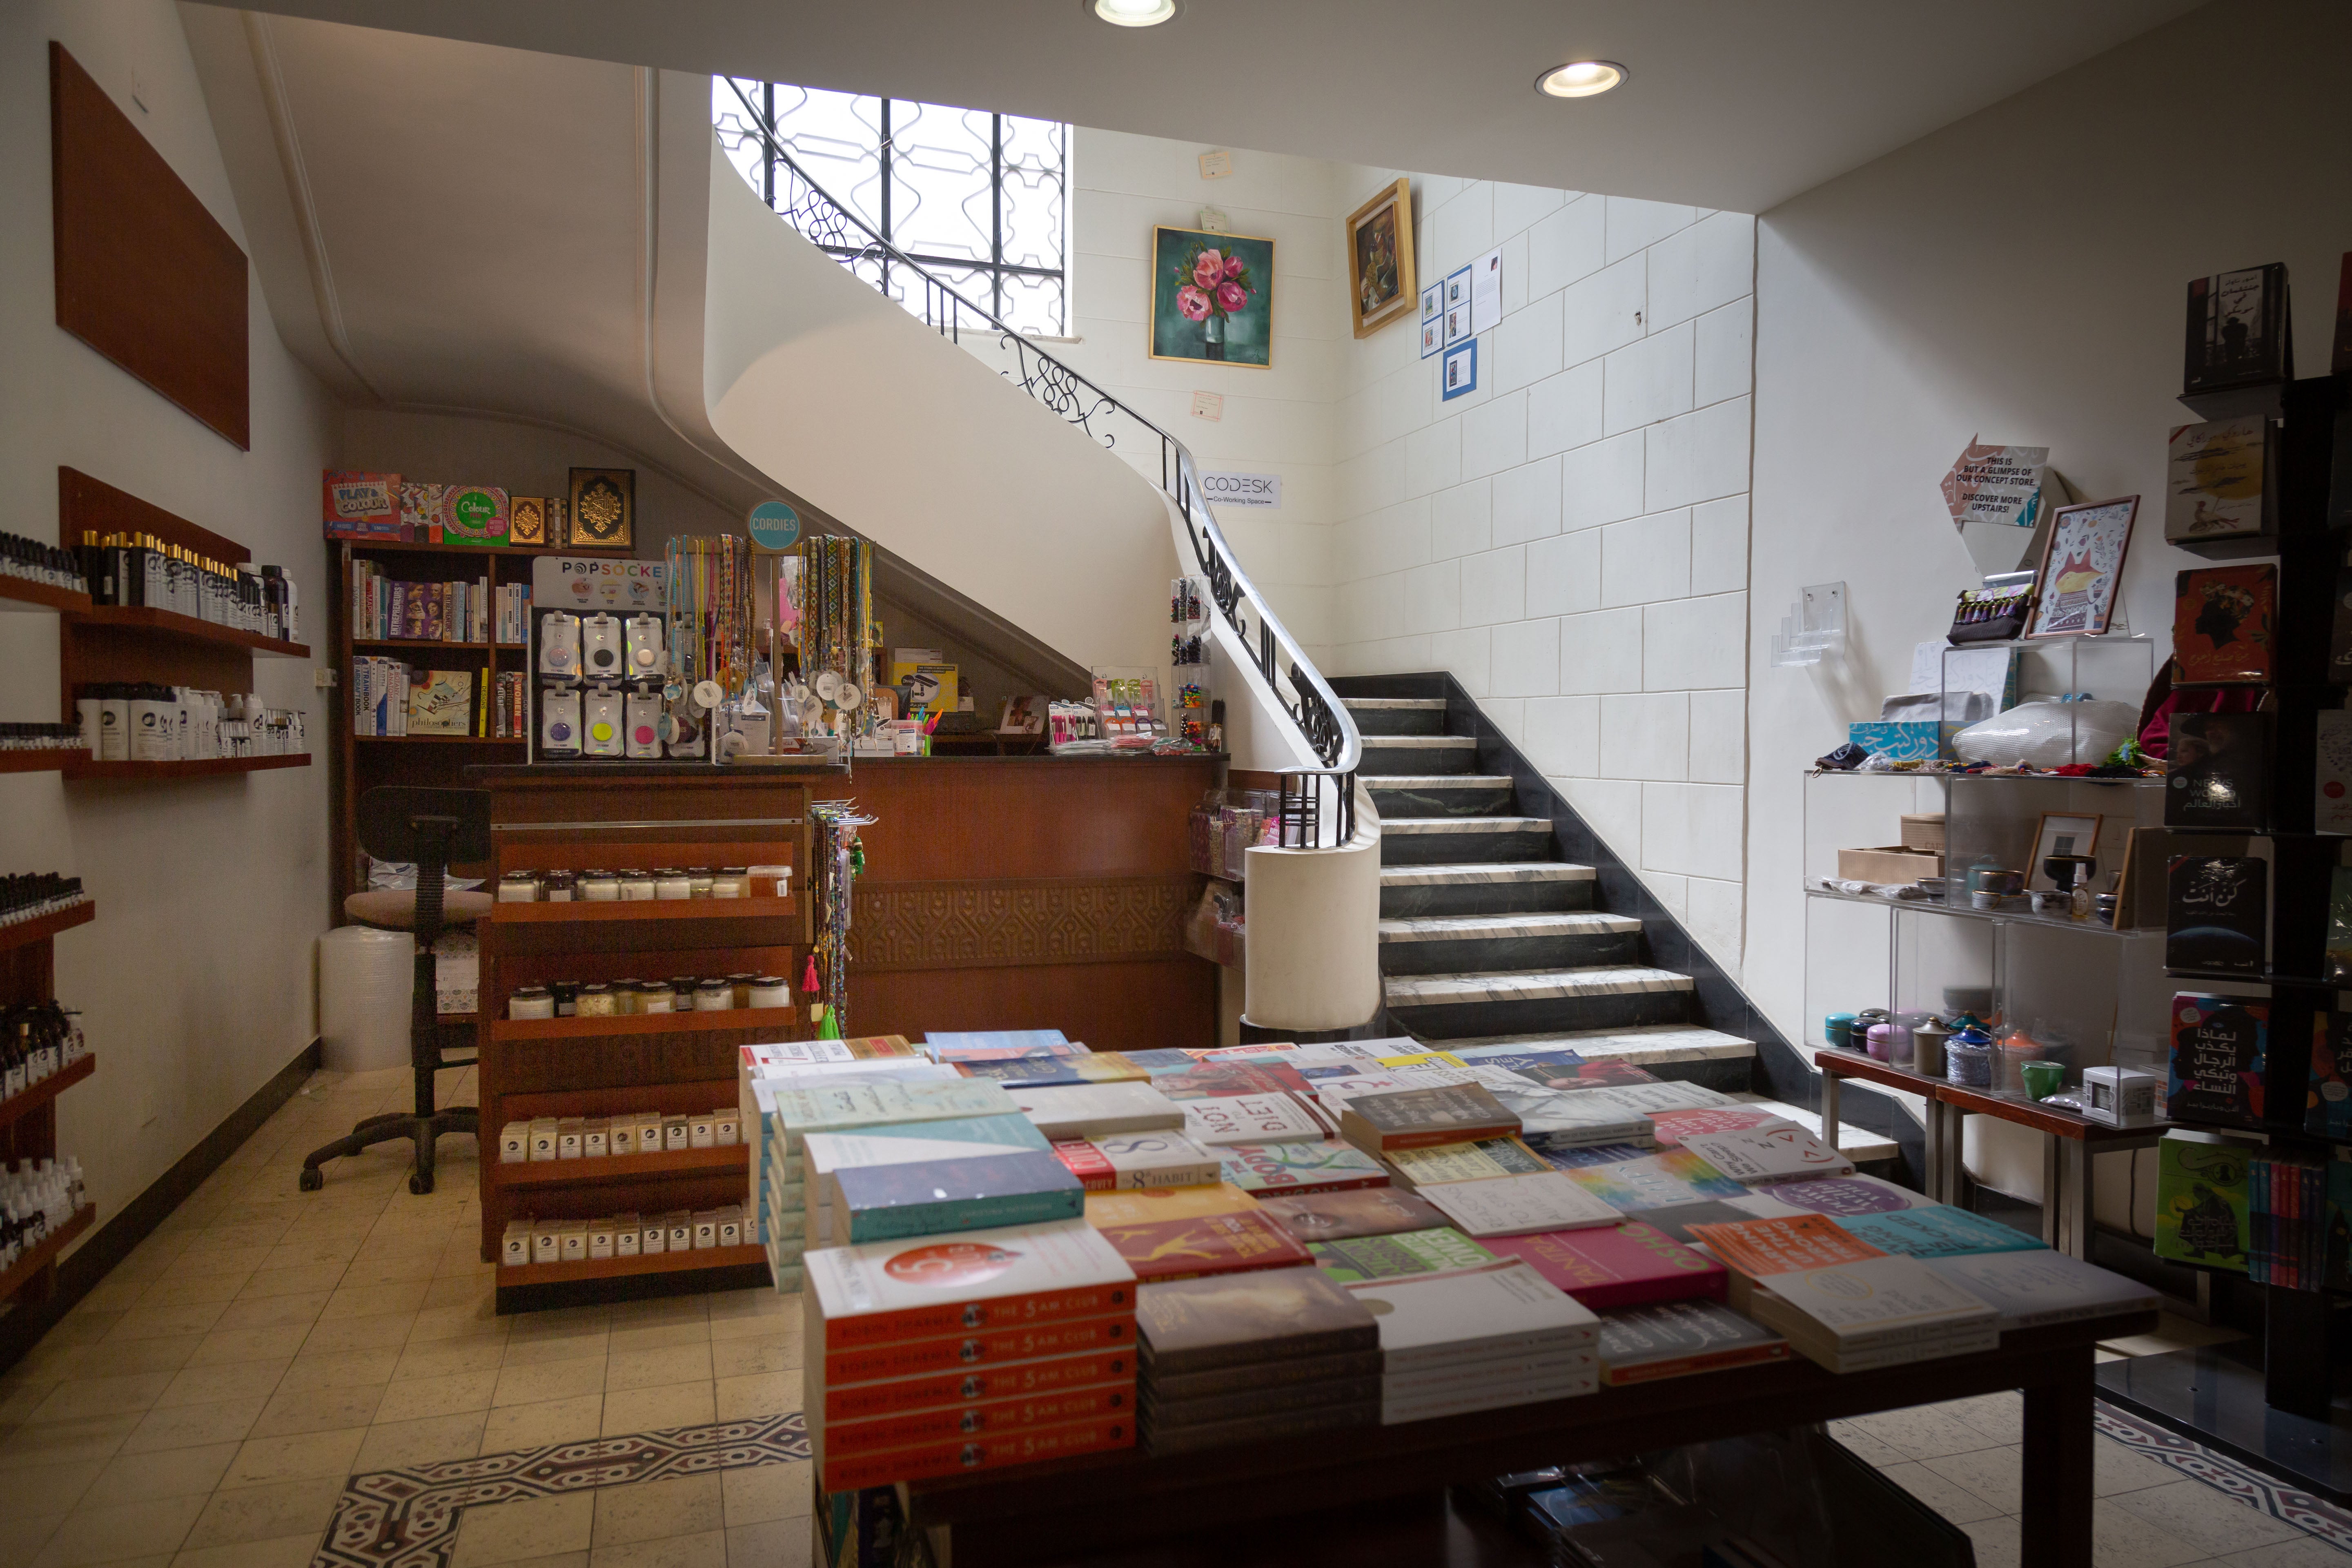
(1731, 103)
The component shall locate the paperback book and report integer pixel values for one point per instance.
(1265, 1378)
(1053, 1072)
(2220, 481)
(1441, 1162)
(1854, 1194)
(1556, 1119)
(2201, 1200)
(1678, 1220)
(1675, 1338)
(1206, 1080)
(968, 1349)
(1520, 1205)
(2238, 330)
(1131, 1160)
(2220, 1049)
(1195, 1326)
(978, 1451)
(1938, 1230)
(883, 1292)
(2221, 626)
(2217, 774)
(1459, 1319)
(1286, 1170)
(2327, 1110)
(885, 1202)
(1096, 1111)
(1258, 1117)
(1670, 1125)
(1761, 1248)
(1385, 1257)
(978, 1385)
(2217, 913)
(1334, 1215)
(839, 1107)
(1619, 1266)
(2036, 1287)
(1768, 1153)
(2331, 798)
(1419, 1117)
(1663, 1180)
(976, 1045)
(844, 1439)
(1582, 1156)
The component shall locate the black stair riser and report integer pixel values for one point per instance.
(1476, 955)
(1378, 759)
(1541, 1015)
(1468, 800)
(1370, 721)
(1728, 1074)
(1483, 897)
(1462, 848)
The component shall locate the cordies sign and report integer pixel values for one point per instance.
(1241, 489)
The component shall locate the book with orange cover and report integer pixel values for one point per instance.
(950, 1352)
(976, 1384)
(978, 1451)
(1192, 1246)
(2223, 625)
(1149, 1206)
(1763, 1247)
(923, 1287)
(840, 1439)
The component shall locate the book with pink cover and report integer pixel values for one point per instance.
(1618, 1265)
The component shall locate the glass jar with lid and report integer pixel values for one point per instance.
(655, 996)
(740, 984)
(519, 888)
(714, 996)
(733, 882)
(560, 887)
(698, 881)
(771, 991)
(669, 882)
(636, 886)
(625, 996)
(599, 887)
(596, 1001)
(681, 990)
(567, 997)
(531, 1002)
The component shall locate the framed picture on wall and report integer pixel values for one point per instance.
(2082, 566)
(1460, 372)
(1380, 286)
(1211, 298)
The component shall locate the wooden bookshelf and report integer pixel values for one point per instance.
(734, 1158)
(21, 597)
(634, 910)
(203, 767)
(16, 1106)
(439, 740)
(24, 933)
(698, 1258)
(772, 1020)
(34, 1265)
(172, 625)
(47, 761)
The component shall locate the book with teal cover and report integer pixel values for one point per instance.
(840, 1107)
(1360, 1258)
(885, 1203)
(1937, 1231)
(1655, 1181)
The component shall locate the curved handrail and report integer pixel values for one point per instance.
(1321, 720)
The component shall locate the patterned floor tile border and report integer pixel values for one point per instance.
(2313, 1515)
(408, 1519)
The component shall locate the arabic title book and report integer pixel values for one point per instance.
(1517, 1205)
(2201, 1200)
(1937, 1231)
(1675, 1339)
(2222, 631)
(1365, 1211)
(2220, 482)
(1323, 1165)
(1097, 1110)
(878, 1292)
(2220, 1050)
(2239, 331)
(883, 1203)
(1768, 1153)
(1410, 1252)
(1620, 1265)
(2218, 771)
(1244, 1319)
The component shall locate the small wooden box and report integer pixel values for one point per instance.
(1887, 863)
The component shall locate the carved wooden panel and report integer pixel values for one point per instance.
(964, 925)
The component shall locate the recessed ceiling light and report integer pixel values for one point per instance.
(1134, 13)
(1578, 78)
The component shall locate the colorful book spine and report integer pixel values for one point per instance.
(978, 1452)
(979, 1384)
(844, 1439)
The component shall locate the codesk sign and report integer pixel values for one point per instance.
(1243, 489)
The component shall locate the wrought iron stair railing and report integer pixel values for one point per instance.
(1318, 806)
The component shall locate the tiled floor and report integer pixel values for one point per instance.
(204, 1405)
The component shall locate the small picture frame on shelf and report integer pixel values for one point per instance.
(2082, 567)
(603, 513)
(2063, 836)
(527, 521)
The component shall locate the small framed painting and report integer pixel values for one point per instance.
(1380, 259)
(2082, 566)
(1433, 301)
(1432, 334)
(1460, 372)
(1457, 323)
(1457, 288)
(2064, 834)
(1211, 298)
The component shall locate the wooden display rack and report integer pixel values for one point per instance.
(129, 642)
(29, 1121)
(631, 817)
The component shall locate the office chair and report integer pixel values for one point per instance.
(432, 827)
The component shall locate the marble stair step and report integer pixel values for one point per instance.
(1486, 1003)
(1396, 715)
(1437, 944)
(1391, 755)
(1453, 840)
(1493, 887)
(1686, 1053)
(1440, 794)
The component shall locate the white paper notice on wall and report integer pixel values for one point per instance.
(1243, 489)
(1208, 406)
(1216, 165)
(1486, 292)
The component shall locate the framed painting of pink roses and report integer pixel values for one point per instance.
(1211, 298)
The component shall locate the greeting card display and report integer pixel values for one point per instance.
(2222, 623)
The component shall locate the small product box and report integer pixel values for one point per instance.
(595, 1139)
(622, 1136)
(628, 1235)
(730, 1226)
(2121, 1097)
(706, 1228)
(681, 1231)
(570, 1132)
(542, 1138)
(601, 1235)
(514, 1249)
(544, 1243)
(514, 1143)
(653, 1237)
(649, 1133)
(727, 1124)
(675, 1134)
(702, 1131)
(572, 1242)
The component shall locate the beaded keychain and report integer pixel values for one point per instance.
(839, 858)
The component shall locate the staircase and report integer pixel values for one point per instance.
(1487, 936)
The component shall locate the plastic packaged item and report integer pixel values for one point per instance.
(1968, 1059)
(769, 881)
(2048, 733)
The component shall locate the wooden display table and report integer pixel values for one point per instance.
(2068, 1141)
(1083, 1510)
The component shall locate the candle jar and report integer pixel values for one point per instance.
(654, 996)
(531, 1002)
(567, 997)
(740, 984)
(519, 888)
(714, 996)
(625, 998)
(733, 882)
(636, 886)
(560, 887)
(697, 880)
(596, 1001)
(771, 991)
(599, 887)
(672, 883)
(681, 990)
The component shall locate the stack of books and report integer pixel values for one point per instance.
(1779, 1152)
(1364, 1211)
(1675, 1338)
(1477, 1339)
(1842, 1303)
(1384, 1122)
(1299, 1169)
(1255, 1358)
(1095, 1109)
(1126, 1161)
(1181, 1233)
(940, 1354)
(797, 1062)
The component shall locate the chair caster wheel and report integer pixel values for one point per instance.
(419, 1186)
(311, 1179)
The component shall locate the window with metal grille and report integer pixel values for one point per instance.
(979, 200)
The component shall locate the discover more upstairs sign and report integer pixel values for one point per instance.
(1997, 484)
(1222, 489)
